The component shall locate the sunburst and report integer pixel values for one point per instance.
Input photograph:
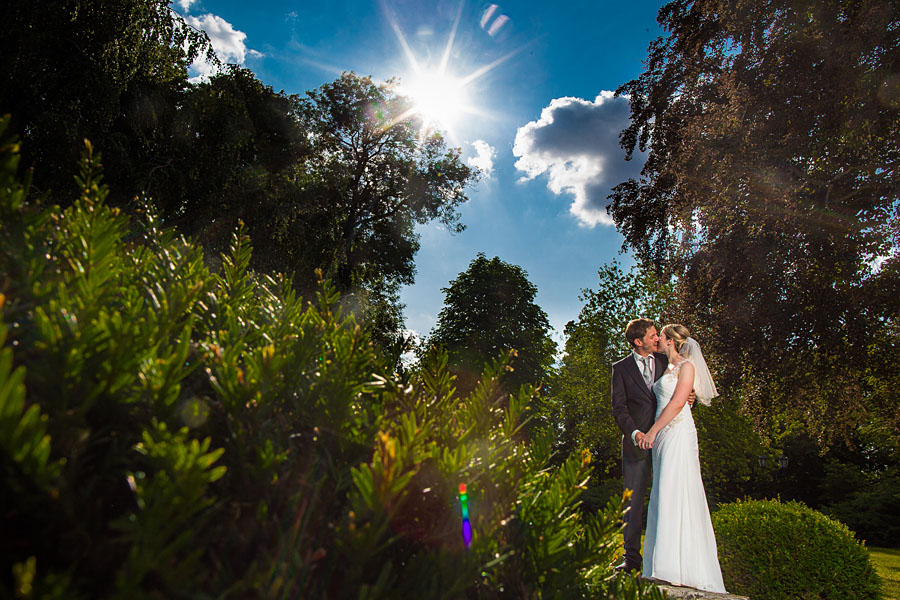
(439, 98)
(438, 95)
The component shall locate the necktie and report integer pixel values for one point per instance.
(648, 373)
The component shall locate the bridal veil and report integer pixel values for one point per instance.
(704, 386)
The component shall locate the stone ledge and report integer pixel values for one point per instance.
(686, 593)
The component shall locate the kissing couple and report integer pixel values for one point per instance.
(653, 390)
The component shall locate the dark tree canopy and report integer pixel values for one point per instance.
(771, 191)
(489, 309)
(334, 181)
(371, 177)
(107, 71)
(231, 151)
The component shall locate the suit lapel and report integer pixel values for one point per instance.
(662, 363)
(632, 369)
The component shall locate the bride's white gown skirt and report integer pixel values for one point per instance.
(680, 545)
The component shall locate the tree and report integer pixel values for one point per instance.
(94, 69)
(230, 153)
(116, 73)
(371, 176)
(489, 310)
(333, 182)
(771, 191)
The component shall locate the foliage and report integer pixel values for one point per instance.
(488, 310)
(371, 176)
(729, 451)
(171, 432)
(774, 550)
(226, 153)
(872, 509)
(334, 181)
(770, 190)
(92, 69)
(861, 488)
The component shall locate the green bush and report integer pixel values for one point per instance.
(171, 432)
(769, 550)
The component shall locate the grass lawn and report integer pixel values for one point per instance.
(887, 563)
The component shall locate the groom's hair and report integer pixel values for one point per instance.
(637, 329)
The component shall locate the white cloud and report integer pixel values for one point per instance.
(576, 142)
(484, 160)
(227, 42)
(186, 4)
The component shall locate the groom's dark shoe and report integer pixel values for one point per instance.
(628, 567)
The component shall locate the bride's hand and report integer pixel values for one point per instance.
(648, 439)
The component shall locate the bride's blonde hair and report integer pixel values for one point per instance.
(678, 333)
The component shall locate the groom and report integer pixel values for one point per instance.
(634, 408)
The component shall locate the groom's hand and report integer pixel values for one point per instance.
(638, 438)
(692, 398)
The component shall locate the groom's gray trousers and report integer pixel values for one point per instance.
(636, 465)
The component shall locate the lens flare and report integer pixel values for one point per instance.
(464, 506)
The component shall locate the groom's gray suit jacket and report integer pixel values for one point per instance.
(633, 404)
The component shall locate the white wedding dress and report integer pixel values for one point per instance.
(679, 546)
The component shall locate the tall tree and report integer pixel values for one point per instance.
(369, 175)
(230, 153)
(771, 191)
(489, 309)
(71, 70)
(372, 175)
(335, 181)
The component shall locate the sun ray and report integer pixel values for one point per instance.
(400, 37)
(483, 70)
(399, 118)
(438, 96)
(446, 57)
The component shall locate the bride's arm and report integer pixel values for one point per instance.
(682, 391)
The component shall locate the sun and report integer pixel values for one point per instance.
(439, 98)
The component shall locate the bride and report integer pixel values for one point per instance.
(679, 546)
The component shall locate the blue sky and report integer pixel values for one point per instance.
(539, 117)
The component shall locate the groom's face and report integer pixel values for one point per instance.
(650, 342)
